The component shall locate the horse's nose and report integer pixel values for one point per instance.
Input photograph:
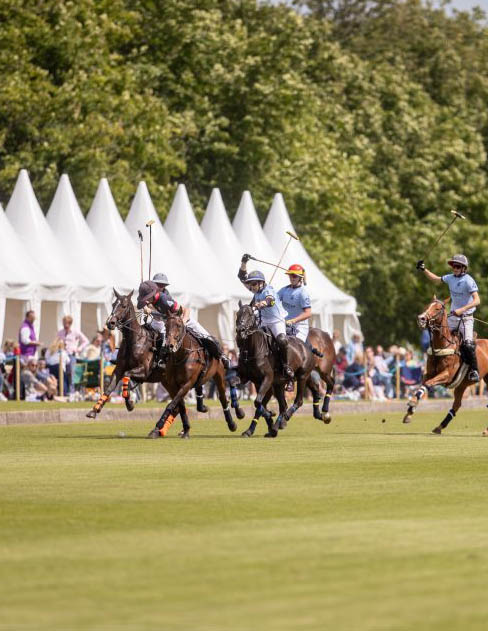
(110, 324)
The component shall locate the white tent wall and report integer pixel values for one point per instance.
(3, 304)
(49, 324)
(89, 319)
(14, 316)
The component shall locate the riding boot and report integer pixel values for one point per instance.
(469, 349)
(283, 347)
(161, 355)
(213, 347)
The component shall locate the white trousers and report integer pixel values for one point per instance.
(276, 328)
(197, 328)
(464, 326)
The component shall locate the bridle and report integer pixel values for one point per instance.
(120, 323)
(174, 348)
(245, 330)
(432, 324)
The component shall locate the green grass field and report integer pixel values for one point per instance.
(359, 525)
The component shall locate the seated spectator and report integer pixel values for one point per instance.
(46, 378)
(385, 377)
(353, 348)
(54, 354)
(10, 349)
(108, 344)
(354, 373)
(34, 390)
(341, 360)
(94, 349)
(375, 388)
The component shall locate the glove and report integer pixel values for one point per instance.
(245, 258)
(420, 265)
(147, 309)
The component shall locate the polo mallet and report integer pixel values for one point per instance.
(456, 216)
(253, 258)
(149, 225)
(140, 243)
(292, 236)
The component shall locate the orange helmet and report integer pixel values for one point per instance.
(296, 270)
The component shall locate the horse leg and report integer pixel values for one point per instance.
(201, 407)
(105, 396)
(458, 398)
(280, 422)
(330, 381)
(252, 427)
(235, 403)
(129, 404)
(313, 384)
(185, 432)
(297, 403)
(170, 412)
(224, 402)
(441, 378)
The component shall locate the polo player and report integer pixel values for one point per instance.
(157, 303)
(296, 302)
(464, 300)
(271, 312)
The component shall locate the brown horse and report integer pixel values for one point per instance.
(187, 367)
(259, 363)
(444, 365)
(324, 365)
(135, 356)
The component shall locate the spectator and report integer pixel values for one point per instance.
(27, 337)
(108, 344)
(336, 340)
(354, 373)
(54, 354)
(424, 340)
(385, 377)
(354, 348)
(94, 349)
(74, 343)
(34, 390)
(11, 348)
(46, 378)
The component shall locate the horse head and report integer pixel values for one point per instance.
(246, 320)
(122, 309)
(433, 315)
(175, 331)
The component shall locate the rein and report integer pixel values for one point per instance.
(432, 327)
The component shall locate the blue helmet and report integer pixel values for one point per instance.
(255, 276)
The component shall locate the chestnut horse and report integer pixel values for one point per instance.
(188, 367)
(135, 359)
(444, 365)
(259, 363)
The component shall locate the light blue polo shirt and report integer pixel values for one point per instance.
(295, 300)
(461, 288)
(270, 315)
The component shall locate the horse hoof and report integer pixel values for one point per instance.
(184, 435)
(232, 426)
(91, 414)
(246, 434)
(485, 432)
(240, 413)
(407, 418)
(326, 417)
(271, 434)
(283, 424)
(317, 416)
(154, 433)
(130, 405)
(202, 408)
(437, 430)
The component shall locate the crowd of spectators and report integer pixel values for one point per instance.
(361, 372)
(41, 365)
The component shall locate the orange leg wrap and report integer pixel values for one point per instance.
(125, 387)
(167, 424)
(101, 402)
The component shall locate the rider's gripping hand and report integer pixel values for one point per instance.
(420, 265)
(147, 309)
(245, 258)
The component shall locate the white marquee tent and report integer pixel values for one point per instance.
(64, 263)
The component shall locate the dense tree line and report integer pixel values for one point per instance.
(368, 115)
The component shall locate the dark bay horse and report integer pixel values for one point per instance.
(260, 364)
(324, 365)
(135, 356)
(188, 367)
(444, 365)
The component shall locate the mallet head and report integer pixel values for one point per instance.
(293, 236)
(150, 223)
(457, 214)
(140, 235)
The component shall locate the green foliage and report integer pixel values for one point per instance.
(369, 117)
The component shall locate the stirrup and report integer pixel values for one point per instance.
(288, 372)
(225, 361)
(473, 376)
